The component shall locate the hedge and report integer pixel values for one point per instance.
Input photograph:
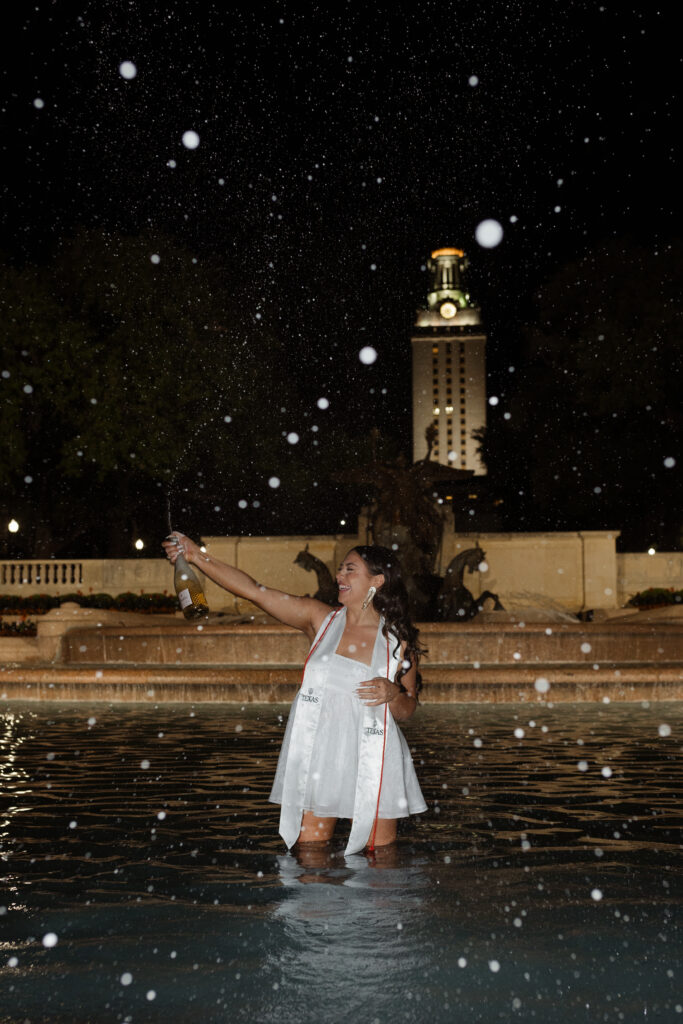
(38, 604)
(656, 596)
(26, 628)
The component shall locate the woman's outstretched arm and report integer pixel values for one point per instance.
(304, 613)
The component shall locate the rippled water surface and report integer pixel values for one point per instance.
(544, 882)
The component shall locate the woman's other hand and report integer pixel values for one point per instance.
(178, 544)
(379, 690)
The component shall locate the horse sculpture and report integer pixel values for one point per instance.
(327, 588)
(455, 602)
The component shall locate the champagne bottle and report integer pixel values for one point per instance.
(189, 590)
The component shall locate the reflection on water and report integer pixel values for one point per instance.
(543, 883)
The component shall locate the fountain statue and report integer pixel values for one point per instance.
(407, 517)
(455, 602)
(327, 588)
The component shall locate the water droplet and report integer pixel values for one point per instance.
(367, 355)
(489, 233)
(190, 140)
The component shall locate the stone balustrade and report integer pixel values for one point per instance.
(27, 576)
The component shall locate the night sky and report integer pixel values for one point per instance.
(338, 145)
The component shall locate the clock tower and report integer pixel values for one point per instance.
(449, 366)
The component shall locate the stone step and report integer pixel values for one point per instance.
(489, 684)
(448, 644)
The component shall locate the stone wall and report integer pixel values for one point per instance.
(561, 571)
(271, 560)
(555, 571)
(640, 571)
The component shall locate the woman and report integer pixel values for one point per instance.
(343, 756)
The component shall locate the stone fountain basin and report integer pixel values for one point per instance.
(633, 657)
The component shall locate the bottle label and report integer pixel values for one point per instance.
(185, 598)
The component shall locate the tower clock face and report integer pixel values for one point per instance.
(448, 310)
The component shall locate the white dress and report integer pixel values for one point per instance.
(335, 756)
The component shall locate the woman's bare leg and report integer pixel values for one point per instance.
(386, 831)
(315, 829)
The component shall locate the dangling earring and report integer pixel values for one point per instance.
(369, 596)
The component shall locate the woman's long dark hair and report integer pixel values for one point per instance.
(391, 601)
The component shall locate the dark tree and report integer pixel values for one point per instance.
(134, 371)
(131, 370)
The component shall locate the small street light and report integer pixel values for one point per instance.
(13, 526)
(139, 544)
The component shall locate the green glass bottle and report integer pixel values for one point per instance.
(189, 590)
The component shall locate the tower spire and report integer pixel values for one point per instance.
(449, 367)
(447, 292)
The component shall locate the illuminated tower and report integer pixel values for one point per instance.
(449, 366)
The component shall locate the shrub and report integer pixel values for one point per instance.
(656, 596)
(26, 628)
(38, 604)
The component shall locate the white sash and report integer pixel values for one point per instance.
(304, 729)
